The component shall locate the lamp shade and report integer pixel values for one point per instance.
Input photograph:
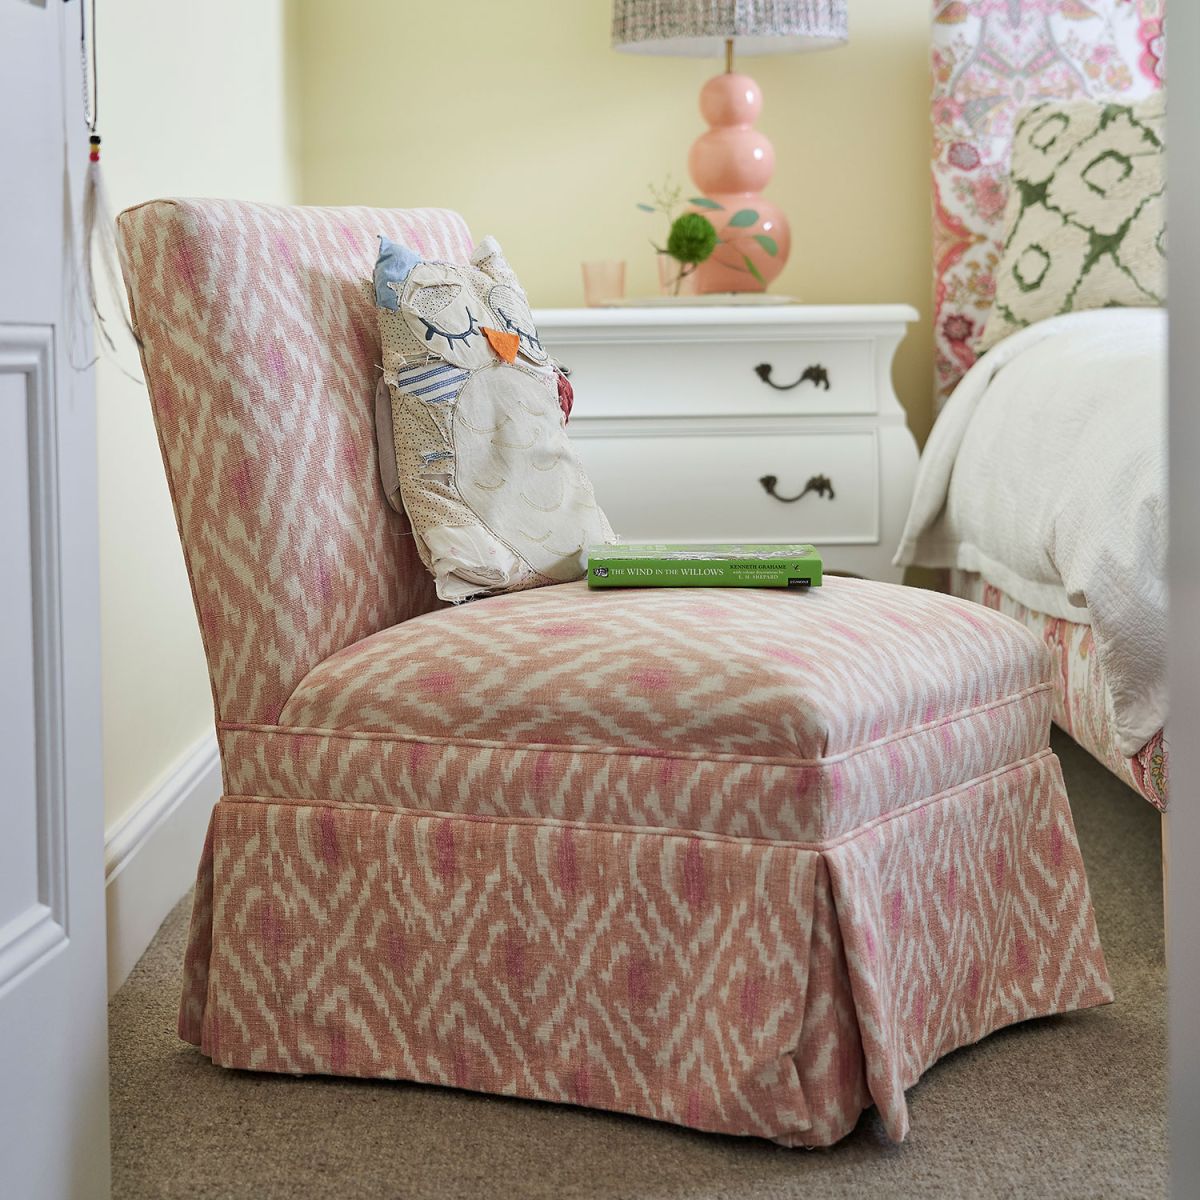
(700, 28)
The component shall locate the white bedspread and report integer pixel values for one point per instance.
(1046, 473)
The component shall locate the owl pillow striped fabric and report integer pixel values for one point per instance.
(496, 497)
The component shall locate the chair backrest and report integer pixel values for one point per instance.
(261, 352)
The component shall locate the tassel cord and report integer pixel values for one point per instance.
(99, 236)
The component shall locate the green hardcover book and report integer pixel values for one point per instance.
(644, 565)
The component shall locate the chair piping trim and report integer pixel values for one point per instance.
(633, 752)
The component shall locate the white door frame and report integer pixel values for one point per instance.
(54, 1138)
(1183, 887)
(27, 352)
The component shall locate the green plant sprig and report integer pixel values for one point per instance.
(687, 242)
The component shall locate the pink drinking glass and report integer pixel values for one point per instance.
(602, 282)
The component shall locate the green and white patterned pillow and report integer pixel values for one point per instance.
(1085, 225)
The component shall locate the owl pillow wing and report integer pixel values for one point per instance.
(496, 497)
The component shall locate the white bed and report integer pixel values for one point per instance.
(1043, 489)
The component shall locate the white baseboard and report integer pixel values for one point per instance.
(150, 855)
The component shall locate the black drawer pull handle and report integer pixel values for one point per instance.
(821, 484)
(815, 374)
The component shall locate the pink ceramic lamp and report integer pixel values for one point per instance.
(733, 162)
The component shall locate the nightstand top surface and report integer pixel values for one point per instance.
(725, 316)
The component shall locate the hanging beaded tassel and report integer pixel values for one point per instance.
(100, 243)
(99, 228)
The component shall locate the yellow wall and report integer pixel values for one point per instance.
(520, 116)
(193, 102)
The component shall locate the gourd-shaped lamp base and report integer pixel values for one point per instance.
(730, 165)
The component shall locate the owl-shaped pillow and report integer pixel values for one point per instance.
(495, 495)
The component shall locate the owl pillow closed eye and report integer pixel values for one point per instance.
(506, 299)
(496, 497)
(444, 307)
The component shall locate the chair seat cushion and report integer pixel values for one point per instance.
(795, 715)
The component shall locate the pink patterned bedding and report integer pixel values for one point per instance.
(1081, 700)
(991, 58)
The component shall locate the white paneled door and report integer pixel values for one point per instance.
(53, 1051)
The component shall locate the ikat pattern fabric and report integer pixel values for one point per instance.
(741, 861)
(990, 60)
(1082, 707)
(732, 985)
(753, 713)
(261, 350)
(1086, 217)
(497, 498)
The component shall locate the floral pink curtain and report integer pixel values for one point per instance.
(991, 58)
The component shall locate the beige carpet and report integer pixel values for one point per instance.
(1069, 1106)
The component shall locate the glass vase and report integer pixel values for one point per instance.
(674, 279)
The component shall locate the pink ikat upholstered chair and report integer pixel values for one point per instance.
(743, 861)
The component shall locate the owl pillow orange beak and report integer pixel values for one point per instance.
(504, 344)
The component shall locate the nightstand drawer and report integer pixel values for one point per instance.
(825, 376)
(657, 482)
(682, 411)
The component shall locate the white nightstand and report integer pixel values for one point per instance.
(705, 424)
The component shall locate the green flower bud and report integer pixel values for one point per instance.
(692, 238)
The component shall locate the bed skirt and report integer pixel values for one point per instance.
(1081, 704)
(737, 985)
